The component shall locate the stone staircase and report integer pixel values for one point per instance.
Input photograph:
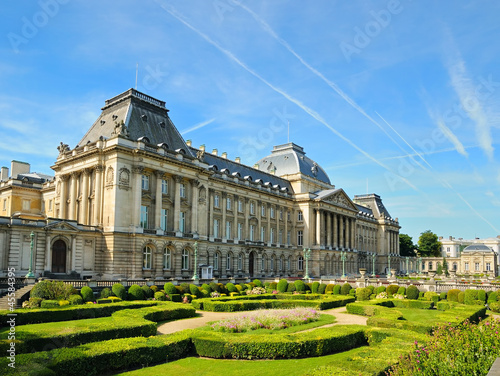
(20, 293)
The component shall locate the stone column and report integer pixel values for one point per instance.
(211, 213)
(285, 235)
(224, 210)
(177, 203)
(85, 197)
(259, 219)
(72, 197)
(235, 219)
(48, 252)
(348, 233)
(335, 231)
(328, 229)
(73, 253)
(63, 198)
(194, 208)
(353, 233)
(137, 191)
(277, 237)
(318, 227)
(158, 199)
(246, 215)
(341, 231)
(268, 215)
(98, 194)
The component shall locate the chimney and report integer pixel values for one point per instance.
(237, 160)
(4, 174)
(214, 152)
(202, 147)
(450, 238)
(256, 166)
(188, 142)
(224, 155)
(17, 168)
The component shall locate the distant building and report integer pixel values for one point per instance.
(133, 198)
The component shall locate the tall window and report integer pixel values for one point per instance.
(145, 183)
(289, 263)
(216, 201)
(288, 237)
(288, 215)
(167, 259)
(263, 211)
(240, 230)
(272, 262)
(182, 221)
(252, 232)
(240, 262)
(280, 237)
(240, 206)
(146, 257)
(300, 216)
(216, 228)
(263, 263)
(5, 204)
(281, 215)
(476, 267)
(466, 266)
(185, 259)
(228, 261)
(26, 205)
(216, 261)
(50, 204)
(228, 230)
(252, 208)
(272, 211)
(164, 219)
(300, 263)
(488, 267)
(182, 189)
(430, 265)
(228, 203)
(281, 263)
(262, 233)
(272, 235)
(144, 216)
(164, 186)
(300, 237)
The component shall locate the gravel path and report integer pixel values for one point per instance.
(204, 317)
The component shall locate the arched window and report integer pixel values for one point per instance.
(272, 262)
(216, 261)
(185, 259)
(300, 263)
(240, 262)
(263, 263)
(147, 253)
(167, 259)
(282, 258)
(289, 263)
(228, 261)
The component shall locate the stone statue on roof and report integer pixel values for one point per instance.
(63, 148)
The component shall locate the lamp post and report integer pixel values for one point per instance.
(374, 257)
(407, 261)
(195, 275)
(343, 257)
(307, 254)
(30, 271)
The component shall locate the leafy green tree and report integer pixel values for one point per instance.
(445, 267)
(428, 244)
(406, 246)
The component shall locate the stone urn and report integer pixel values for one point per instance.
(362, 271)
(393, 273)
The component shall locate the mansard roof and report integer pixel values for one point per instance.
(143, 117)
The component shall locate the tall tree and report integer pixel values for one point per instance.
(406, 246)
(429, 245)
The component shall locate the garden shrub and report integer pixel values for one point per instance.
(412, 292)
(429, 294)
(322, 288)
(119, 290)
(453, 295)
(135, 292)
(63, 303)
(308, 286)
(239, 288)
(243, 286)
(442, 295)
(346, 287)
(379, 290)
(363, 293)
(231, 287)
(75, 300)
(52, 290)
(492, 297)
(314, 287)
(194, 290)
(34, 302)
(282, 285)
(105, 293)
(494, 306)
(257, 283)
(402, 290)
(481, 295)
(291, 287)
(272, 286)
(352, 292)
(170, 288)
(50, 304)
(392, 289)
(206, 287)
(266, 284)
(148, 292)
(471, 297)
(214, 287)
(329, 288)
(160, 296)
(372, 288)
(336, 289)
(421, 295)
(461, 297)
(300, 286)
(87, 294)
(154, 288)
(175, 297)
(205, 293)
(222, 288)
(184, 286)
(179, 290)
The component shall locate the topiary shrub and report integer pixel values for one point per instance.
(481, 295)
(344, 290)
(412, 292)
(492, 297)
(52, 290)
(392, 289)
(231, 287)
(421, 295)
(379, 290)
(148, 292)
(206, 287)
(314, 287)
(453, 295)
(401, 290)
(308, 286)
(430, 294)
(119, 290)
(442, 295)
(300, 286)
(63, 303)
(471, 297)
(372, 288)
(329, 288)
(215, 287)
(87, 294)
(257, 283)
(273, 286)
(282, 285)
(154, 288)
(34, 302)
(160, 296)
(170, 288)
(352, 292)
(184, 288)
(336, 290)
(76, 299)
(135, 292)
(266, 284)
(322, 288)
(461, 297)
(291, 287)
(105, 293)
(194, 290)
(494, 306)
(50, 304)
(363, 293)
(222, 288)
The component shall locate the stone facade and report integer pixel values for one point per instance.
(134, 200)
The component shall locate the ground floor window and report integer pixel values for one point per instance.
(146, 257)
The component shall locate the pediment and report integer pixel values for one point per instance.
(62, 226)
(338, 198)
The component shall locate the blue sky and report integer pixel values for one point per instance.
(399, 98)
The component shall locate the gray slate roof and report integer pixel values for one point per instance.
(144, 116)
(288, 159)
(477, 248)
